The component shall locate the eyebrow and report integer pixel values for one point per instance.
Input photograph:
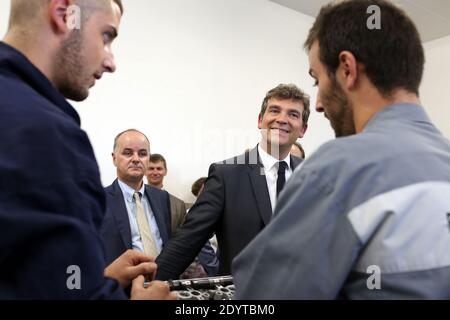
(275, 106)
(131, 149)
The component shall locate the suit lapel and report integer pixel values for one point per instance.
(158, 212)
(295, 161)
(259, 184)
(120, 213)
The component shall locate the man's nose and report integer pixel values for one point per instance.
(282, 117)
(135, 157)
(109, 63)
(319, 106)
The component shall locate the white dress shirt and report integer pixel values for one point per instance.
(136, 240)
(271, 172)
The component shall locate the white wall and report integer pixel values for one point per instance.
(4, 12)
(435, 90)
(192, 75)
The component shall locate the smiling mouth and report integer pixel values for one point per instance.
(280, 130)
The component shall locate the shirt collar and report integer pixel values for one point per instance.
(128, 192)
(269, 161)
(394, 113)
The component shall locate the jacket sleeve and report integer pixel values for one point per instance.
(198, 227)
(51, 205)
(208, 259)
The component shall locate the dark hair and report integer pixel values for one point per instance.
(116, 139)
(288, 91)
(156, 157)
(393, 56)
(197, 185)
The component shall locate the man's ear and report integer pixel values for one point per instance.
(302, 133)
(347, 72)
(59, 15)
(114, 158)
(259, 121)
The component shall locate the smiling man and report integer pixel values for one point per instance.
(240, 194)
(51, 198)
(366, 216)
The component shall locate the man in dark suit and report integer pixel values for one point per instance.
(121, 228)
(240, 193)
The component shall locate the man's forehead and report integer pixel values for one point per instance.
(275, 102)
(313, 56)
(132, 139)
(116, 12)
(108, 14)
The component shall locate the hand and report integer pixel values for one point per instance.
(130, 265)
(156, 290)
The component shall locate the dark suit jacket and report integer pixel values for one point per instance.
(116, 231)
(50, 215)
(235, 204)
(207, 257)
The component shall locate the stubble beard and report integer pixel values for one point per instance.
(70, 64)
(340, 109)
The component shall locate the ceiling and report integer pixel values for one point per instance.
(432, 17)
